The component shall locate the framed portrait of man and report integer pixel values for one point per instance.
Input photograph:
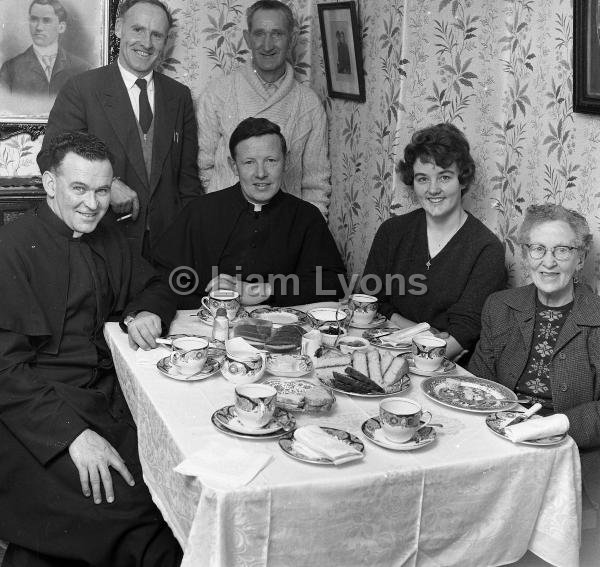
(43, 43)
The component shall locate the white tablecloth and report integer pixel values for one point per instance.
(468, 499)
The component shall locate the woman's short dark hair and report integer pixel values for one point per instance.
(442, 145)
(548, 212)
(252, 127)
(82, 144)
(126, 5)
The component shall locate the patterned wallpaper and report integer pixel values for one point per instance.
(499, 69)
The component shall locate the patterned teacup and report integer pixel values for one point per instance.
(225, 298)
(401, 418)
(364, 308)
(255, 404)
(428, 352)
(189, 354)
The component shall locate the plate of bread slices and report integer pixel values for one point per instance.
(371, 374)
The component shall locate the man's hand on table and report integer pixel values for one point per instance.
(143, 330)
(93, 455)
(250, 293)
(123, 199)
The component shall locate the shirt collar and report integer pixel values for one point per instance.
(245, 204)
(49, 50)
(129, 78)
(270, 85)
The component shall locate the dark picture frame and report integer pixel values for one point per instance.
(342, 51)
(586, 57)
(13, 123)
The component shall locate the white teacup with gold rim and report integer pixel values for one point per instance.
(225, 298)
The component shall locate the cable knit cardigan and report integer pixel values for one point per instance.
(294, 107)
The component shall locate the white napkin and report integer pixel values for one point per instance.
(316, 443)
(223, 466)
(533, 428)
(405, 335)
(241, 349)
(151, 357)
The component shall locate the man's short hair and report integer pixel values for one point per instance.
(126, 5)
(82, 144)
(58, 8)
(252, 127)
(271, 5)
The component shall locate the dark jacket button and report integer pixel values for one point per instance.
(562, 356)
(564, 387)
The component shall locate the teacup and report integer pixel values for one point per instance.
(244, 370)
(428, 352)
(228, 299)
(364, 308)
(255, 404)
(401, 418)
(189, 354)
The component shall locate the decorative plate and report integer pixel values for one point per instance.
(373, 432)
(398, 387)
(207, 317)
(301, 395)
(289, 365)
(374, 324)
(447, 366)
(469, 393)
(282, 316)
(496, 421)
(211, 366)
(326, 315)
(373, 336)
(287, 422)
(288, 445)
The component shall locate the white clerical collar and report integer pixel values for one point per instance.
(129, 78)
(45, 51)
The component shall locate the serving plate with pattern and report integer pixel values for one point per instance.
(282, 316)
(497, 421)
(469, 393)
(288, 445)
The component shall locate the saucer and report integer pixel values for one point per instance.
(213, 364)
(227, 421)
(282, 316)
(289, 365)
(208, 318)
(374, 433)
(374, 324)
(447, 366)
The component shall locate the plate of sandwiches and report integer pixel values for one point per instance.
(371, 375)
(301, 395)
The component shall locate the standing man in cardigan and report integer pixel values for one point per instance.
(266, 88)
(145, 118)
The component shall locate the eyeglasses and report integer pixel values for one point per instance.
(561, 253)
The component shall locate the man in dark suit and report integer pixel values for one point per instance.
(147, 120)
(44, 67)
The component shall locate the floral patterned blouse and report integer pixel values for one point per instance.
(534, 383)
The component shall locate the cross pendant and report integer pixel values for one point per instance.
(428, 264)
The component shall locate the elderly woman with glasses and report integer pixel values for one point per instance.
(543, 340)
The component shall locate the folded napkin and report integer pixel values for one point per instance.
(539, 428)
(151, 357)
(223, 466)
(405, 335)
(316, 443)
(240, 349)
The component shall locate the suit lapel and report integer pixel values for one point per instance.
(117, 106)
(165, 117)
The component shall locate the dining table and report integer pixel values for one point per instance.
(470, 498)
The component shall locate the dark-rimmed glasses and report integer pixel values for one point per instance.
(560, 253)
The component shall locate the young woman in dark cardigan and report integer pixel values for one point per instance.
(437, 264)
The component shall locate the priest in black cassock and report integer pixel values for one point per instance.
(64, 423)
(253, 237)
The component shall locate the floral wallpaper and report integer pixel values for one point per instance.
(499, 69)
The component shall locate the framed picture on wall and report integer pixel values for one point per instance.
(342, 52)
(586, 57)
(42, 45)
